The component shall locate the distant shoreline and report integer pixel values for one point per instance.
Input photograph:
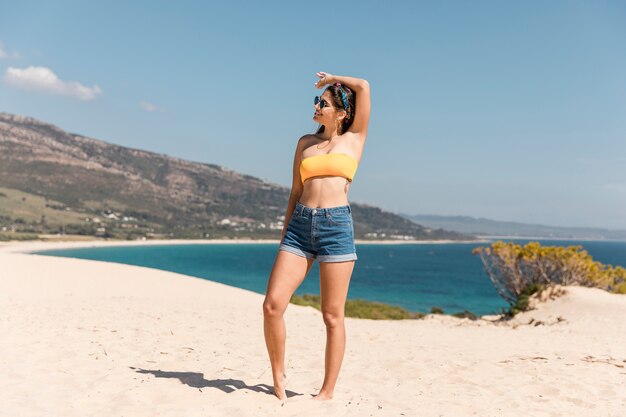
(583, 239)
(39, 245)
(51, 244)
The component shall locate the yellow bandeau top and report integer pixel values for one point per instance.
(331, 164)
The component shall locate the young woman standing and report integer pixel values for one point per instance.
(318, 223)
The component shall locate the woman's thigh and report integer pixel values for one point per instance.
(287, 274)
(334, 283)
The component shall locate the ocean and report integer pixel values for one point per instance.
(414, 276)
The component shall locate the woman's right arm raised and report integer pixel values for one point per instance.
(361, 87)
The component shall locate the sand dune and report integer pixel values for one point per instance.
(89, 338)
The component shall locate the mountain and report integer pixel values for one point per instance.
(486, 227)
(52, 180)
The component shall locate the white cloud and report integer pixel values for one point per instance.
(149, 106)
(6, 55)
(43, 80)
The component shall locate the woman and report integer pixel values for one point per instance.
(318, 223)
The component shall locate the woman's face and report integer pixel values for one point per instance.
(328, 114)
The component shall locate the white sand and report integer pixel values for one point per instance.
(88, 338)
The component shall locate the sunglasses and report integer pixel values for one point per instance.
(318, 100)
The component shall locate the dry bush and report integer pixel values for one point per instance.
(514, 269)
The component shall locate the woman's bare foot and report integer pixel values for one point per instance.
(280, 388)
(323, 396)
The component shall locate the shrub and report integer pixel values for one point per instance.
(521, 304)
(360, 308)
(466, 314)
(518, 272)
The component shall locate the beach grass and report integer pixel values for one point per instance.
(361, 309)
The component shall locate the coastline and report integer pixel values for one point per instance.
(574, 239)
(33, 246)
(51, 242)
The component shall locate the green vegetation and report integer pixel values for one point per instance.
(436, 310)
(360, 308)
(466, 315)
(517, 271)
(378, 311)
(521, 304)
(27, 216)
(28, 208)
(5, 237)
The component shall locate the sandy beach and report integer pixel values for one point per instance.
(91, 338)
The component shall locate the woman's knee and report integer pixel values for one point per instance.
(273, 308)
(333, 317)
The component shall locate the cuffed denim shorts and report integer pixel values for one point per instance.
(325, 234)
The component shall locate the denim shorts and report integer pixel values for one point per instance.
(325, 234)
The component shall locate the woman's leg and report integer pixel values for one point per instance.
(334, 282)
(287, 274)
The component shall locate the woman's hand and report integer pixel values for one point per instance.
(325, 79)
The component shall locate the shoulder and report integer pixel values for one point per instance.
(308, 137)
(307, 140)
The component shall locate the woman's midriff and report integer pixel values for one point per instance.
(323, 192)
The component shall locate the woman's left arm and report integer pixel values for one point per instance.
(361, 89)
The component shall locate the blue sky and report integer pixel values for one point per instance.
(506, 110)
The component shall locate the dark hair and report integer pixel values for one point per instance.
(338, 103)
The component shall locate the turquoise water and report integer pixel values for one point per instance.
(414, 276)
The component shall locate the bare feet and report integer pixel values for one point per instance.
(280, 388)
(323, 396)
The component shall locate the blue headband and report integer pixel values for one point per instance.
(344, 98)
